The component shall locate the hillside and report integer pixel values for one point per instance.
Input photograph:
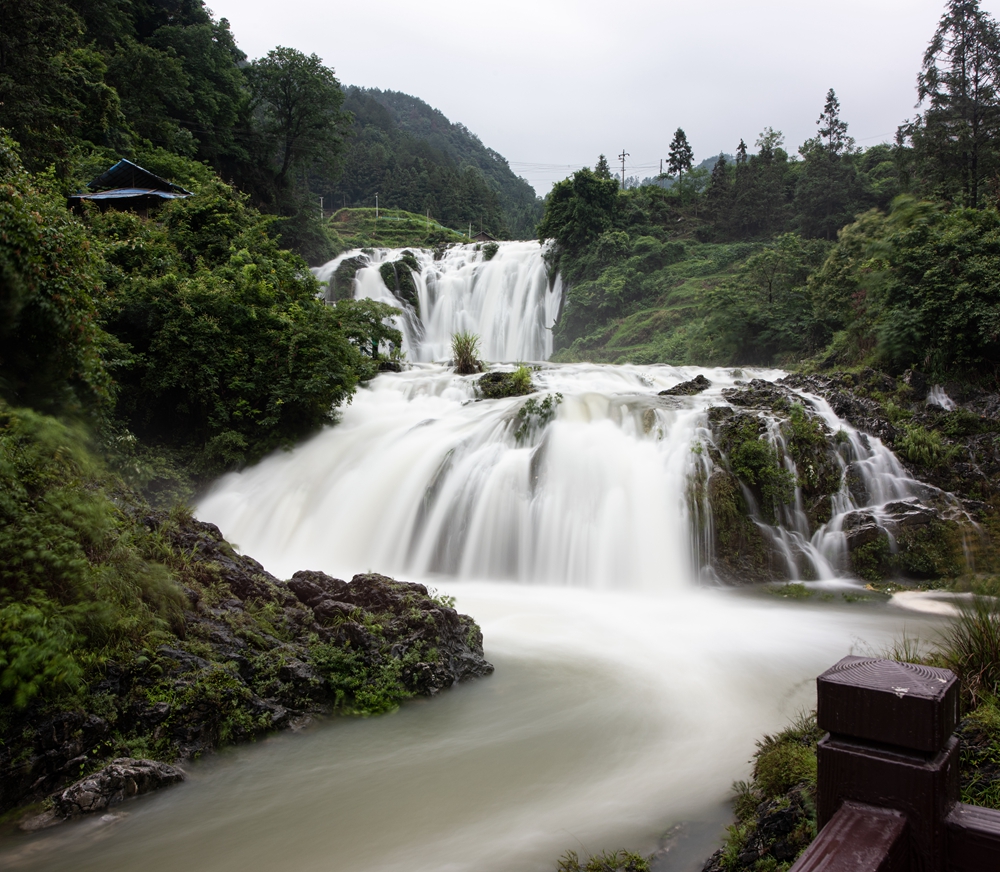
(416, 159)
(393, 228)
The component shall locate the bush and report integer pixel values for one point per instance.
(464, 351)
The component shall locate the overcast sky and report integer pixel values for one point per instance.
(551, 84)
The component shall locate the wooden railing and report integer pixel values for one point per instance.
(887, 797)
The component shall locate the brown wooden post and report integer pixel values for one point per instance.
(887, 796)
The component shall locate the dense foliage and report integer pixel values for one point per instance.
(85, 83)
(417, 160)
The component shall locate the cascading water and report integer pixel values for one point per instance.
(508, 300)
(626, 697)
(420, 479)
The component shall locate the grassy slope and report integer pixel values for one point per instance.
(394, 228)
(660, 326)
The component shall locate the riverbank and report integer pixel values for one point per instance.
(245, 654)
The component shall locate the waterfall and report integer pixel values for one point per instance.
(421, 479)
(593, 481)
(507, 300)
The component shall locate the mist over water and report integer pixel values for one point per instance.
(629, 688)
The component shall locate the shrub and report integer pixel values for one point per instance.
(464, 350)
(922, 446)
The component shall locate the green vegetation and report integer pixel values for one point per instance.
(82, 85)
(534, 416)
(885, 257)
(617, 861)
(416, 159)
(395, 228)
(776, 809)
(464, 351)
(499, 385)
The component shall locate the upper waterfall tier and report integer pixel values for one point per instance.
(507, 300)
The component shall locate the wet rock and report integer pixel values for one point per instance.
(498, 385)
(119, 780)
(341, 286)
(860, 528)
(251, 653)
(759, 394)
(908, 513)
(916, 381)
(689, 388)
(857, 485)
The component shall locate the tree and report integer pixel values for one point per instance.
(681, 156)
(578, 210)
(296, 101)
(50, 343)
(719, 196)
(832, 130)
(955, 139)
(603, 169)
(827, 194)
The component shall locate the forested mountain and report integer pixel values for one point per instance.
(85, 82)
(416, 159)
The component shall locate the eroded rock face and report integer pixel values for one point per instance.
(121, 779)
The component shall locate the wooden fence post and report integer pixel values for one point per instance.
(887, 795)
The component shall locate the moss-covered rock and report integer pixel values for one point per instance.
(341, 286)
(499, 385)
(249, 654)
(776, 809)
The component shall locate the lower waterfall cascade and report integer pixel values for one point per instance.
(422, 480)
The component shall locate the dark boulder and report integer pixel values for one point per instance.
(689, 388)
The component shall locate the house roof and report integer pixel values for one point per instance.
(125, 193)
(126, 175)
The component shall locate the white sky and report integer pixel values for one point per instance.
(550, 84)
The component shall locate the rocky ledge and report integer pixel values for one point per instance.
(246, 654)
(776, 462)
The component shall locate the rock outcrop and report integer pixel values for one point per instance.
(248, 653)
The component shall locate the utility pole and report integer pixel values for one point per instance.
(622, 157)
(320, 208)
(661, 166)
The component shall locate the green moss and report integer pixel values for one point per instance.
(871, 561)
(930, 552)
(781, 766)
(754, 460)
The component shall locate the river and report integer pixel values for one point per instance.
(629, 686)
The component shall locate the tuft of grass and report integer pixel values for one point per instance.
(465, 351)
(616, 861)
(971, 648)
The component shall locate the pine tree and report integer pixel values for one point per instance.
(603, 169)
(719, 195)
(833, 131)
(955, 139)
(681, 156)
